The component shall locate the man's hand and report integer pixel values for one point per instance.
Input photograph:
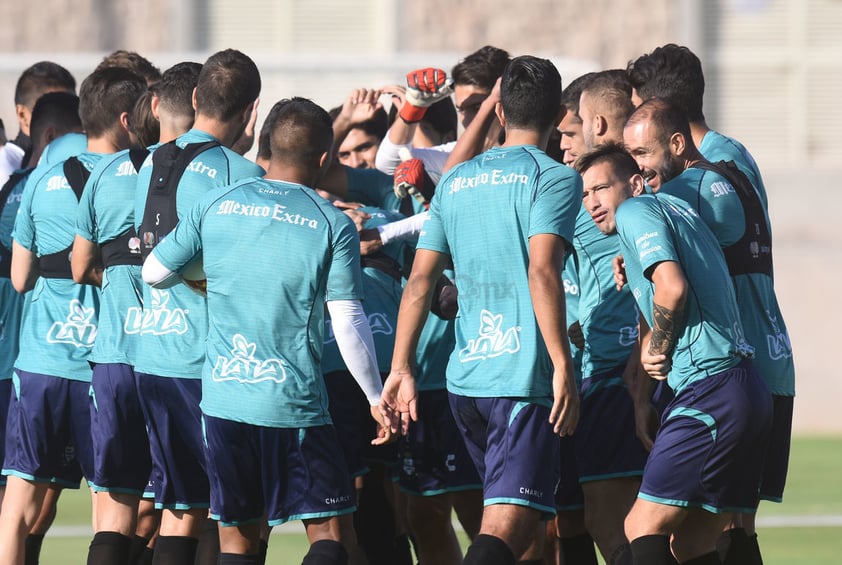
(575, 335)
(424, 87)
(360, 106)
(657, 366)
(398, 403)
(619, 265)
(565, 412)
(645, 423)
(359, 218)
(409, 179)
(370, 241)
(384, 429)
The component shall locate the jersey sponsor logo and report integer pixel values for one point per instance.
(719, 189)
(570, 287)
(494, 178)
(778, 342)
(492, 340)
(14, 198)
(378, 322)
(201, 168)
(243, 367)
(277, 212)
(743, 348)
(159, 319)
(628, 336)
(125, 169)
(57, 182)
(78, 330)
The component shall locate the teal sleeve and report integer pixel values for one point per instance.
(558, 198)
(344, 279)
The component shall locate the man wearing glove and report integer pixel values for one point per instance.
(471, 82)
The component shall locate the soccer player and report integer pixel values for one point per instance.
(55, 114)
(510, 373)
(40, 78)
(171, 348)
(660, 139)
(106, 253)
(570, 127)
(59, 328)
(272, 363)
(706, 461)
(604, 107)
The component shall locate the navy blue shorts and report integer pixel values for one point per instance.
(434, 459)
(606, 443)
(174, 424)
(777, 457)
(352, 419)
(51, 417)
(514, 448)
(710, 449)
(5, 398)
(122, 462)
(569, 495)
(282, 473)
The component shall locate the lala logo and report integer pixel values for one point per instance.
(779, 344)
(492, 340)
(378, 322)
(78, 330)
(157, 320)
(244, 368)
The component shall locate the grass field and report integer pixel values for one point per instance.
(813, 496)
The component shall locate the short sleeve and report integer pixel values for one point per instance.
(344, 278)
(558, 198)
(432, 234)
(644, 231)
(184, 243)
(85, 215)
(24, 230)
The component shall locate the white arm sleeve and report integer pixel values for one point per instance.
(353, 337)
(388, 156)
(402, 229)
(156, 274)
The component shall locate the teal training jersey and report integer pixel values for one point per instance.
(717, 147)
(59, 326)
(174, 325)
(374, 188)
(273, 253)
(609, 318)
(570, 278)
(482, 215)
(438, 338)
(106, 211)
(62, 148)
(659, 228)
(381, 299)
(761, 315)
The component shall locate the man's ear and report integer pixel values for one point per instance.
(125, 121)
(50, 134)
(677, 143)
(638, 184)
(193, 98)
(155, 104)
(23, 114)
(600, 125)
(498, 110)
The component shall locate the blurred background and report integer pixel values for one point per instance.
(773, 70)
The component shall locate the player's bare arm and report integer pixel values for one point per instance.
(546, 254)
(667, 318)
(24, 270)
(86, 262)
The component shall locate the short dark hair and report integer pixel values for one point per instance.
(570, 96)
(228, 83)
(57, 109)
(481, 68)
(143, 124)
(613, 89)
(530, 93)
(39, 78)
(621, 160)
(264, 140)
(442, 117)
(674, 73)
(665, 117)
(301, 132)
(104, 95)
(175, 89)
(132, 61)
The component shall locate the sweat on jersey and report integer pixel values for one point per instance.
(273, 253)
(658, 228)
(174, 326)
(482, 215)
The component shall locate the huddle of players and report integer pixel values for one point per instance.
(498, 382)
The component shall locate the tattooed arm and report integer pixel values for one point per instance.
(667, 318)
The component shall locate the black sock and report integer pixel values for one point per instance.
(235, 559)
(578, 549)
(489, 550)
(621, 556)
(326, 552)
(262, 550)
(711, 558)
(531, 562)
(138, 549)
(109, 548)
(33, 548)
(174, 550)
(207, 550)
(737, 547)
(403, 550)
(652, 550)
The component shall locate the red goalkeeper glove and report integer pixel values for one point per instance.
(424, 88)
